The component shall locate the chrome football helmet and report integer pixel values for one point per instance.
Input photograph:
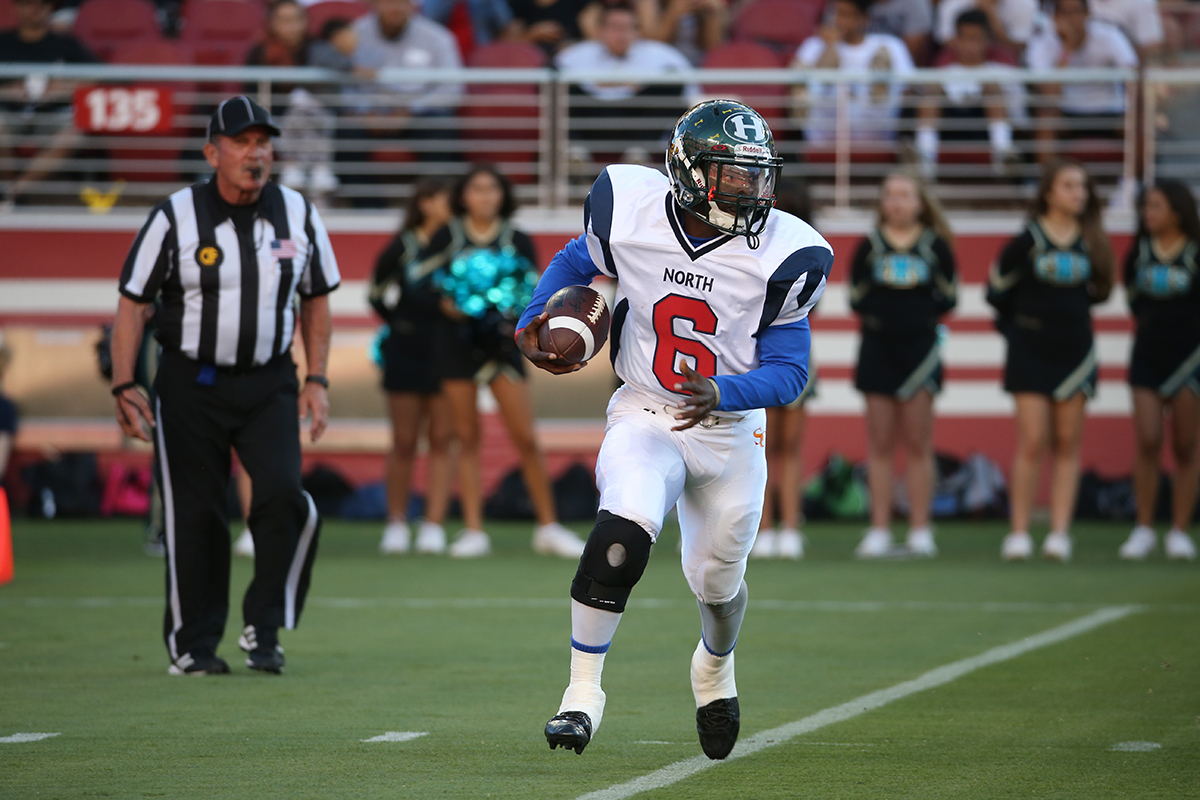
(723, 166)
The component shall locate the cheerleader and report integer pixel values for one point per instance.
(1043, 289)
(485, 268)
(902, 281)
(1163, 289)
(402, 296)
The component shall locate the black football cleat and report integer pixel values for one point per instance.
(263, 651)
(570, 729)
(718, 724)
(199, 665)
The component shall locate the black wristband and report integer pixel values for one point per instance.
(320, 379)
(117, 391)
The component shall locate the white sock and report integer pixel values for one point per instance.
(1000, 134)
(592, 627)
(927, 144)
(584, 693)
(712, 677)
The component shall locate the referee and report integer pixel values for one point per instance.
(228, 256)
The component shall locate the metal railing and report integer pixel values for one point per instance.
(552, 138)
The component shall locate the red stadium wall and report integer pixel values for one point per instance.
(96, 254)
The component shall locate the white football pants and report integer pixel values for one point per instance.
(715, 475)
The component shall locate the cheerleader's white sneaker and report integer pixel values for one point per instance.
(1179, 546)
(1017, 546)
(1139, 545)
(1057, 547)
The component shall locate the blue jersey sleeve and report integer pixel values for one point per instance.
(571, 266)
(781, 375)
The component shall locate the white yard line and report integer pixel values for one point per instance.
(673, 773)
(21, 738)
(397, 736)
(503, 603)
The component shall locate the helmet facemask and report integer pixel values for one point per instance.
(731, 188)
(739, 197)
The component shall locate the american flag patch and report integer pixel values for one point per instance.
(283, 248)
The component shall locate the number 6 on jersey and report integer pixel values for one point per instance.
(669, 345)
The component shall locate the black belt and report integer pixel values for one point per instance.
(222, 369)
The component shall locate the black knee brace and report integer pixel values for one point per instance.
(613, 561)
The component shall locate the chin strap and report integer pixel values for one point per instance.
(752, 240)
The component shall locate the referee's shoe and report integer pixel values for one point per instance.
(263, 651)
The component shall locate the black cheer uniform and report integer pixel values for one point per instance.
(228, 277)
(405, 298)
(1164, 295)
(1043, 295)
(479, 347)
(899, 296)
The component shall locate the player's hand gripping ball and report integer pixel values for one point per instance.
(577, 324)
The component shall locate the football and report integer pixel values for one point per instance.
(578, 324)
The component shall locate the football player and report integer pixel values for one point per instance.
(713, 328)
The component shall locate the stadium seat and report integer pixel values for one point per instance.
(221, 32)
(103, 25)
(768, 99)
(779, 24)
(498, 55)
(153, 147)
(8, 15)
(320, 13)
(513, 109)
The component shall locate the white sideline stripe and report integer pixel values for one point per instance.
(1135, 747)
(18, 738)
(673, 773)
(99, 296)
(503, 603)
(972, 304)
(963, 398)
(397, 736)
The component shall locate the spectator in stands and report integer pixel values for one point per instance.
(1075, 39)
(1140, 21)
(8, 415)
(1012, 22)
(306, 142)
(620, 108)
(1162, 284)
(911, 21)
(36, 109)
(1043, 288)
(554, 24)
(845, 44)
(405, 299)
(490, 20)
(396, 36)
(961, 106)
(693, 26)
(476, 254)
(285, 41)
(785, 433)
(901, 283)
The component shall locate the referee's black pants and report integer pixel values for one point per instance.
(200, 413)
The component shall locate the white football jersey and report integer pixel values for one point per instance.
(705, 303)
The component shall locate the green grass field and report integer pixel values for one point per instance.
(475, 655)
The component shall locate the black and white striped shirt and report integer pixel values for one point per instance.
(229, 274)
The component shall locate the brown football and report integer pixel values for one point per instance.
(578, 324)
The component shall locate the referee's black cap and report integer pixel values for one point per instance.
(238, 113)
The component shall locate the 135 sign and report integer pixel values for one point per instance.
(123, 109)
